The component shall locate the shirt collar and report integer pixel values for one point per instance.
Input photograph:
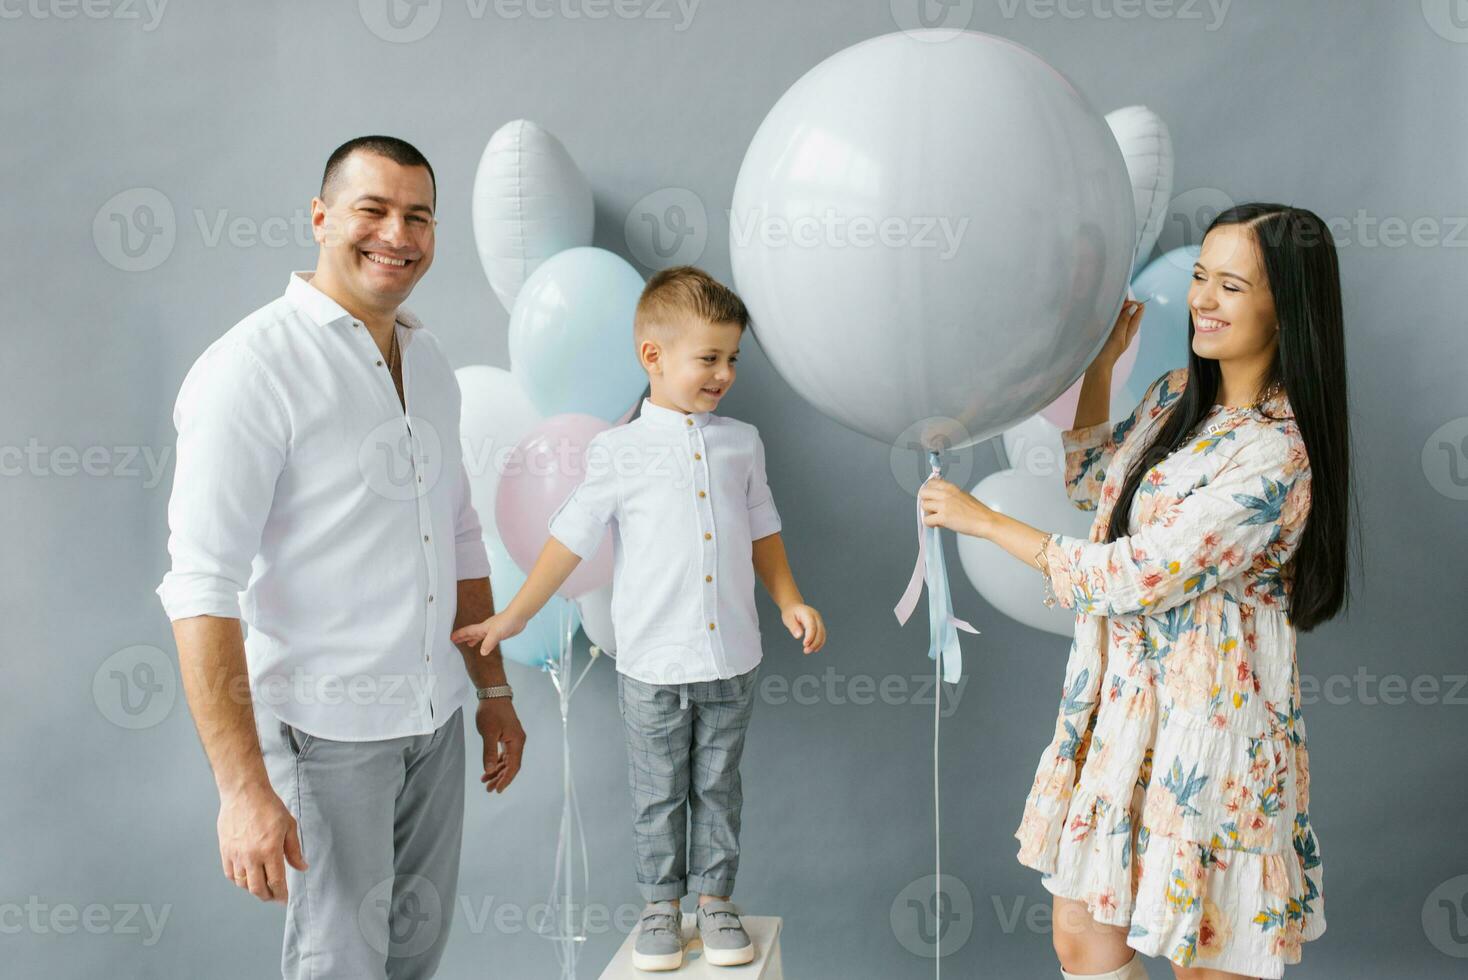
(672, 418)
(322, 309)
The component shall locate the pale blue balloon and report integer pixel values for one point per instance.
(1163, 286)
(539, 645)
(571, 335)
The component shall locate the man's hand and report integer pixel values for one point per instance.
(504, 742)
(804, 622)
(257, 835)
(489, 633)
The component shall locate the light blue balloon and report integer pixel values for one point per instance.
(571, 335)
(540, 643)
(1163, 339)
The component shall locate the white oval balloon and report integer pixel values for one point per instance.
(1003, 581)
(530, 202)
(1146, 145)
(495, 415)
(1034, 446)
(928, 231)
(596, 618)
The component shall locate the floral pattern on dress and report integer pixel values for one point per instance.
(1173, 798)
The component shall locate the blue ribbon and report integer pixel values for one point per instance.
(943, 626)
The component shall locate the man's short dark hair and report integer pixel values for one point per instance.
(398, 151)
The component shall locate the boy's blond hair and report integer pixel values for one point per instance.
(673, 295)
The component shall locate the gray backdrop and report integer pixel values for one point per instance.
(224, 113)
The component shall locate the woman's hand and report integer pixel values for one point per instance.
(488, 634)
(945, 505)
(1123, 332)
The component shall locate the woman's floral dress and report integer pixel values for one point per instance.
(1174, 798)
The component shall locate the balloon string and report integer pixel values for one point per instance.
(937, 829)
(584, 671)
(943, 649)
(567, 931)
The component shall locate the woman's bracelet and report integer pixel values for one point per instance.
(1050, 598)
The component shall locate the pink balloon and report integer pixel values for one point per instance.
(1062, 411)
(540, 474)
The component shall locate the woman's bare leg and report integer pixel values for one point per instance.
(1084, 945)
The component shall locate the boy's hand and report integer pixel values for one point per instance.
(803, 622)
(489, 633)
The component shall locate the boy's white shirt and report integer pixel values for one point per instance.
(686, 496)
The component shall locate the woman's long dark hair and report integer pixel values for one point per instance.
(1299, 259)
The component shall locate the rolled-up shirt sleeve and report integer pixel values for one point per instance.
(764, 519)
(471, 560)
(234, 437)
(582, 520)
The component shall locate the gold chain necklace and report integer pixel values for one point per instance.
(1228, 417)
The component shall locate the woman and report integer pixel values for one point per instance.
(1170, 814)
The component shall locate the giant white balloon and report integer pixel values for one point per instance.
(495, 415)
(1007, 584)
(932, 231)
(596, 618)
(1146, 145)
(530, 202)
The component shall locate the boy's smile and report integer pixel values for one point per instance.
(695, 371)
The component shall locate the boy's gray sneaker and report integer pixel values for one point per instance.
(659, 938)
(725, 943)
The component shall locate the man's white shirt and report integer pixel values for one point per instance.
(686, 496)
(308, 503)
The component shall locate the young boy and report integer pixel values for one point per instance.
(694, 523)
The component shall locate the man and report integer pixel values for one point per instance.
(319, 496)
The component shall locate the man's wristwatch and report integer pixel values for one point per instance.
(498, 691)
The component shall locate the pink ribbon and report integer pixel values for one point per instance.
(943, 626)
